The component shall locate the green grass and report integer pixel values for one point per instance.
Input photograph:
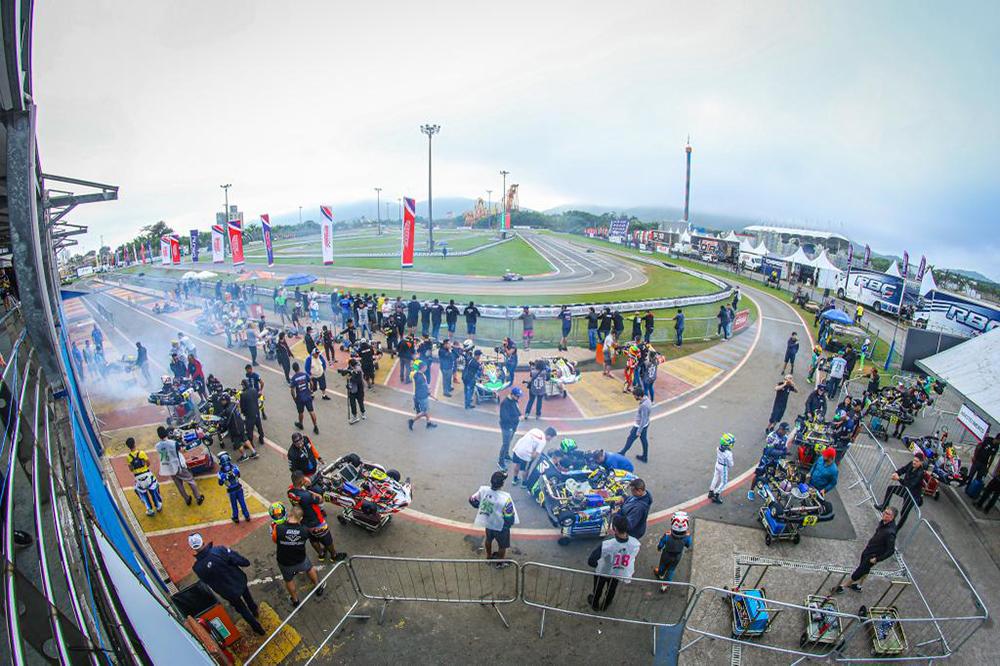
(387, 242)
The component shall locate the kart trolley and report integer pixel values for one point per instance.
(490, 382)
(809, 440)
(788, 508)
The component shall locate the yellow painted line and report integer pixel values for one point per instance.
(281, 646)
(691, 370)
(176, 514)
(597, 395)
(384, 370)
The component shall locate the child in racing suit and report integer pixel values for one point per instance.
(671, 547)
(775, 449)
(146, 485)
(229, 476)
(723, 461)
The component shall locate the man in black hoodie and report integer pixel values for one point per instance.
(880, 547)
(636, 508)
(510, 415)
(909, 478)
(222, 570)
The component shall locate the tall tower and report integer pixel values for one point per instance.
(687, 184)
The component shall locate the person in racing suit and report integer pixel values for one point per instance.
(313, 517)
(816, 404)
(496, 514)
(775, 449)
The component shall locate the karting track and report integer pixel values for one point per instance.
(574, 271)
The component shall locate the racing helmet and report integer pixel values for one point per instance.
(679, 523)
(568, 445)
(727, 441)
(224, 459)
(277, 512)
(468, 345)
(166, 379)
(417, 364)
(817, 349)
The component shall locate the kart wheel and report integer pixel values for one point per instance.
(803, 638)
(767, 539)
(394, 474)
(937, 495)
(566, 521)
(341, 519)
(353, 458)
(797, 538)
(564, 541)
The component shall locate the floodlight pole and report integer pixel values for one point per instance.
(489, 203)
(503, 221)
(430, 131)
(378, 208)
(225, 215)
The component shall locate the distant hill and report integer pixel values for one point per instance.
(661, 214)
(355, 210)
(974, 275)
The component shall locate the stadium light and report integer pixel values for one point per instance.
(430, 131)
(225, 211)
(489, 203)
(378, 208)
(503, 221)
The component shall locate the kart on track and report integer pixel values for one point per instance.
(511, 276)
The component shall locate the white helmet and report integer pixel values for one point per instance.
(679, 523)
(468, 345)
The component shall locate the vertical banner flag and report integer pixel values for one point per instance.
(218, 250)
(906, 263)
(265, 225)
(409, 227)
(868, 255)
(850, 255)
(164, 251)
(194, 245)
(327, 234)
(236, 242)
(142, 251)
(506, 220)
(923, 267)
(175, 249)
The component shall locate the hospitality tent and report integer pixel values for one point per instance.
(828, 273)
(972, 369)
(894, 269)
(927, 285)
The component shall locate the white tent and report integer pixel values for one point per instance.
(894, 269)
(800, 258)
(972, 369)
(927, 285)
(828, 273)
(685, 237)
(747, 248)
(731, 236)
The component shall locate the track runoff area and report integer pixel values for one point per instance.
(698, 397)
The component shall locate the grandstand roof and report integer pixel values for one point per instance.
(791, 231)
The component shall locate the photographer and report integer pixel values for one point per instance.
(509, 351)
(366, 357)
(355, 389)
(781, 392)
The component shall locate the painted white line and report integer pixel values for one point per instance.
(786, 321)
(199, 526)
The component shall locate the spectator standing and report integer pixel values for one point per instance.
(781, 391)
(509, 350)
(536, 388)
(469, 376)
(636, 327)
(406, 351)
(679, 327)
(592, 321)
(222, 570)
(366, 360)
(355, 390)
(250, 408)
(641, 427)
(142, 361)
(837, 368)
(909, 478)
(730, 320)
(649, 374)
(982, 457)
(566, 318)
(613, 561)
(471, 313)
(283, 354)
(510, 416)
(446, 362)
(309, 341)
(425, 318)
(412, 314)
(791, 349)
(495, 513)
(173, 464)
(988, 496)
(233, 424)
(78, 361)
(329, 348)
(609, 353)
(436, 311)
(451, 318)
(604, 324)
(421, 396)
(722, 316)
(649, 324)
(636, 508)
(290, 536)
(880, 547)
(98, 338)
(302, 395)
(618, 324)
(316, 369)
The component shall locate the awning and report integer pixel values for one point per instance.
(972, 369)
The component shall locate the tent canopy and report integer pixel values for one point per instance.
(972, 369)
(927, 285)
(822, 262)
(894, 269)
(800, 257)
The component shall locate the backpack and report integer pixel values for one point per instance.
(135, 463)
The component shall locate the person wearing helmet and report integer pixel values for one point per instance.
(290, 536)
(146, 485)
(613, 461)
(671, 547)
(421, 396)
(723, 461)
(814, 364)
(823, 474)
(775, 449)
(229, 477)
(568, 445)
(496, 514)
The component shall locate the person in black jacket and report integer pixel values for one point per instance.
(446, 359)
(451, 318)
(471, 313)
(982, 457)
(909, 478)
(355, 390)
(604, 324)
(618, 324)
(366, 356)
(141, 361)
(250, 408)
(816, 404)
(425, 318)
(592, 320)
(303, 456)
(636, 508)
(510, 416)
(880, 547)
(178, 367)
(412, 314)
(469, 376)
(233, 424)
(406, 351)
(221, 569)
(283, 354)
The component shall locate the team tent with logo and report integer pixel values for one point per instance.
(972, 369)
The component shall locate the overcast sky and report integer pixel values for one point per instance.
(881, 117)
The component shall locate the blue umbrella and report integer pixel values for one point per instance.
(838, 316)
(297, 279)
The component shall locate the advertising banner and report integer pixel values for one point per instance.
(906, 263)
(971, 422)
(742, 317)
(218, 249)
(142, 253)
(923, 267)
(868, 255)
(265, 225)
(326, 234)
(194, 245)
(175, 248)
(506, 220)
(850, 254)
(409, 227)
(165, 251)
(236, 242)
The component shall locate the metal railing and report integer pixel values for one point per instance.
(652, 603)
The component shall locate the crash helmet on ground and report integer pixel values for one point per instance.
(727, 441)
(679, 523)
(277, 512)
(568, 445)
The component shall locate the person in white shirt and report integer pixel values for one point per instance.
(187, 345)
(173, 464)
(723, 461)
(837, 367)
(527, 449)
(613, 561)
(496, 513)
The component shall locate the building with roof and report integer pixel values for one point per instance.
(785, 240)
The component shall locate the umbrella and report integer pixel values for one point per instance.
(297, 279)
(190, 275)
(255, 275)
(838, 316)
(206, 275)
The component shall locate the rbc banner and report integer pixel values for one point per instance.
(165, 251)
(175, 249)
(218, 250)
(265, 225)
(326, 234)
(194, 245)
(409, 225)
(236, 242)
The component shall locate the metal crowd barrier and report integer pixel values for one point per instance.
(639, 601)
(307, 626)
(386, 579)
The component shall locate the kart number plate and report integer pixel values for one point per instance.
(378, 475)
(809, 520)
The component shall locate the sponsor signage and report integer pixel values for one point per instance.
(265, 224)
(971, 422)
(742, 317)
(218, 245)
(409, 228)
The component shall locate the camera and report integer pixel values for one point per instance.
(343, 372)
(498, 350)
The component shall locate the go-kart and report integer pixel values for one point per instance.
(124, 366)
(166, 307)
(208, 326)
(562, 373)
(369, 493)
(809, 439)
(489, 383)
(198, 458)
(788, 508)
(202, 430)
(511, 276)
